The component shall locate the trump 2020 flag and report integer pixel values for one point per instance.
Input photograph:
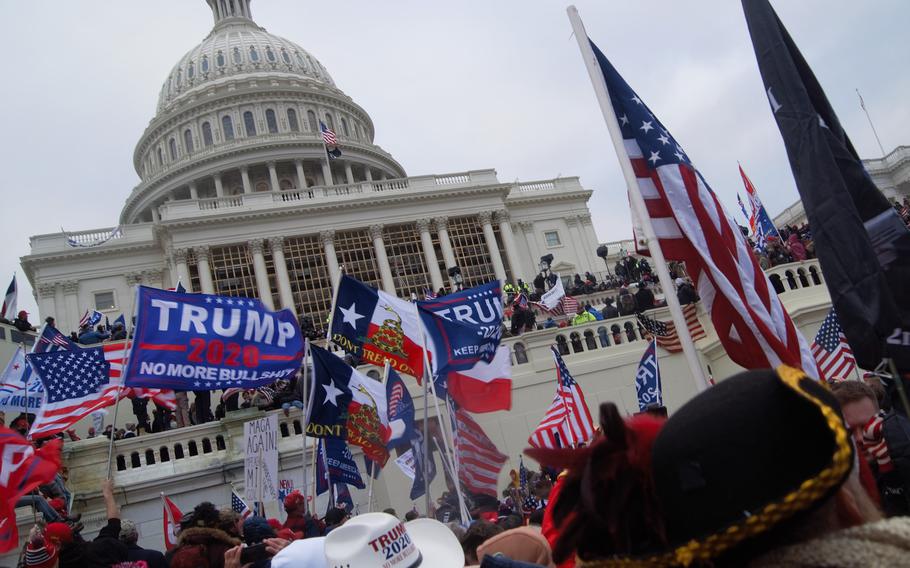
(647, 379)
(206, 342)
(464, 328)
(377, 327)
(861, 242)
(340, 463)
(347, 404)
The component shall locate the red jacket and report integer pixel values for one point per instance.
(548, 528)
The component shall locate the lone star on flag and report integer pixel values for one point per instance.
(350, 315)
(332, 392)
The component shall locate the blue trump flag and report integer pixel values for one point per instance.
(207, 342)
(322, 471)
(340, 463)
(647, 379)
(463, 328)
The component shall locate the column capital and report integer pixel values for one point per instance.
(376, 231)
(572, 221)
(585, 219)
(485, 217)
(47, 289)
(245, 169)
(423, 225)
(502, 216)
(526, 226)
(133, 278)
(327, 237)
(270, 163)
(201, 253)
(255, 245)
(151, 275)
(179, 254)
(71, 287)
(276, 243)
(442, 223)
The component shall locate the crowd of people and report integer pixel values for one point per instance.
(646, 490)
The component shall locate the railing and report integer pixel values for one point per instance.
(92, 237)
(220, 203)
(795, 276)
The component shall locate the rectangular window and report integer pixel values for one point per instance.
(552, 238)
(104, 301)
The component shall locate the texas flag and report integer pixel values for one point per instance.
(376, 326)
(348, 404)
(485, 387)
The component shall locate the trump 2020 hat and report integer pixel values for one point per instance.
(379, 540)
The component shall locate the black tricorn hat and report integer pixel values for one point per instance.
(740, 459)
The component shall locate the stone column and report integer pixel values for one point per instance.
(331, 259)
(183, 274)
(534, 250)
(301, 176)
(429, 253)
(486, 223)
(589, 240)
(245, 176)
(261, 273)
(273, 177)
(219, 189)
(71, 299)
(327, 172)
(205, 272)
(194, 192)
(508, 241)
(47, 304)
(576, 242)
(448, 255)
(368, 173)
(348, 172)
(385, 270)
(281, 271)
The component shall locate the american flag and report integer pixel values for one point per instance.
(665, 331)
(480, 461)
(429, 294)
(692, 226)
(76, 383)
(239, 505)
(568, 420)
(832, 352)
(90, 318)
(566, 305)
(115, 353)
(328, 136)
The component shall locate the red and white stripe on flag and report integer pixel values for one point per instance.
(172, 517)
(115, 353)
(567, 421)
(692, 226)
(485, 387)
(480, 461)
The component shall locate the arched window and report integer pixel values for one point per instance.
(562, 345)
(194, 450)
(237, 56)
(344, 127)
(254, 54)
(205, 64)
(121, 463)
(616, 331)
(206, 446)
(297, 429)
(269, 54)
(190, 70)
(219, 59)
(311, 120)
(149, 457)
(188, 140)
(285, 56)
(206, 133)
(590, 341)
(604, 336)
(283, 427)
(575, 339)
(292, 120)
(172, 148)
(178, 452)
(219, 442)
(134, 460)
(227, 125)
(160, 157)
(791, 279)
(270, 121)
(776, 282)
(329, 122)
(165, 453)
(630, 331)
(249, 123)
(814, 273)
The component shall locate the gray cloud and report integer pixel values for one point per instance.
(450, 87)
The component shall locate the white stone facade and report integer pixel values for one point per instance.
(237, 197)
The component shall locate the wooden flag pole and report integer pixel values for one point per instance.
(638, 202)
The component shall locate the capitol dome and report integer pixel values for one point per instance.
(237, 46)
(243, 113)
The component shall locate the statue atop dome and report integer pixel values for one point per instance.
(229, 9)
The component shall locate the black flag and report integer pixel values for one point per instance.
(862, 244)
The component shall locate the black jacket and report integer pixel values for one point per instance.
(153, 558)
(687, 294)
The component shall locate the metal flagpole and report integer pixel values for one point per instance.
(862, 103)
(385, 378)
(128, 345)
(325, 153)
(304, 418)
(426, 438)
(638, 202)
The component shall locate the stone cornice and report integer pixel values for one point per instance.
(68, 255)
(545, 196)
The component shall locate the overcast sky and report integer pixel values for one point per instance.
(450, 86)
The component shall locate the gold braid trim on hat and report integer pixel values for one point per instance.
(808, 493)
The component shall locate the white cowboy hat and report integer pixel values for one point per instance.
(303, 553)
(379, 540)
